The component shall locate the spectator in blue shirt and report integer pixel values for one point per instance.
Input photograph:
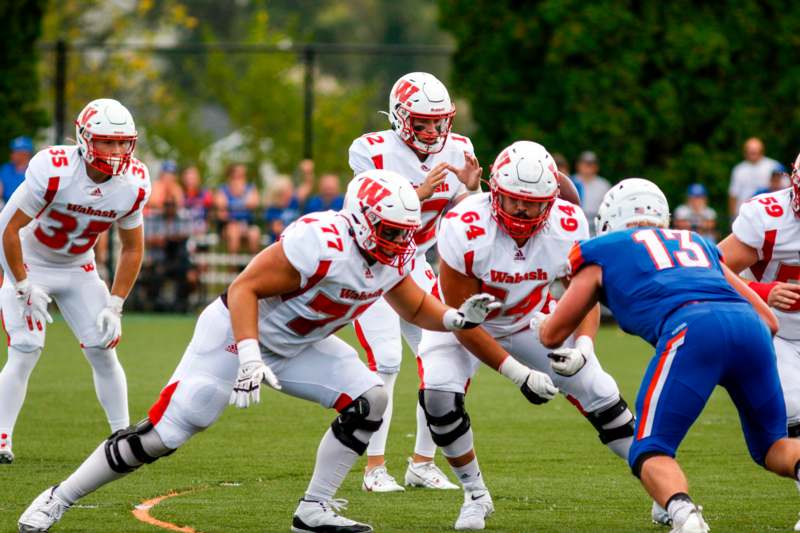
(283, 207)
(777, 180)
(13, 172)
(329, 197)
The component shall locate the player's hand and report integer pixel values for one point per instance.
(34, 302)
(566, 361)
(536, 322)
(434, 178)
(784, 296)
(472, 312)
(538, 388)
(252, 372)
(109, 322)
(470, 174)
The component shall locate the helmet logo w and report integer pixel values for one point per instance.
(372, 192)
(89, 113)
(405, 90)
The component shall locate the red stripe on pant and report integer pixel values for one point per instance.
(654, 381)
(158, 408)
(367, 348)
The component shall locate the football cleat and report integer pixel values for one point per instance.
(427, 475)
(660, 515)
(321, 517)
(45, 511)
(477, 508)
(6, 455)
(694, 523)
(378, 479)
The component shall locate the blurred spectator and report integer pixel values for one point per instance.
(13, 172)
(166, 187)
(170, 276)
(197, 200)
(563, 166)
(235, 202)
(283, 207)
(305, 179)
(329, 197)
(778, 180)
(695, 214)
(750, 175)
(594, 186)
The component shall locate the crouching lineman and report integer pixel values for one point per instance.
(670, 288)
(279, 316)
(513, 243)
(766, 239)
(72, 194)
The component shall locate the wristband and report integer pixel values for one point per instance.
(762, 289)
(116, 302)
(452, 320)
(22, 286)
(248, 351)
(514, 370)
(585, 345)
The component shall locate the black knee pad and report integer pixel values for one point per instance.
(132, 435)
(794, 431)
(600, 418)
(352, 418)
(458, 413)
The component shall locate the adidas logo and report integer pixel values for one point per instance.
(232, 349)
(96, 192)
(519, 256)
(368, 273)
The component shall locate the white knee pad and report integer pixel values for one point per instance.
(27, 341)
(199, 400)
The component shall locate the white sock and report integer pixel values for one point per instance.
(679, 509)
(424, 445)
(470, 475)
(13, 386)
(110, 385)
(334, 461)
(377, 443)
(93, 473)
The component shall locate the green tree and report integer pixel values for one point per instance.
(21, 25)
(666, 90)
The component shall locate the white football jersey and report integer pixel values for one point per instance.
(385, 150)
(471, 242)
(768, 224)
(337, 284)
(69, 210)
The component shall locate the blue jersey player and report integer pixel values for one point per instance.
(670, 288)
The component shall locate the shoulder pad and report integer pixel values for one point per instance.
(568, 220)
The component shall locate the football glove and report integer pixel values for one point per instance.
(109, 322)
(536, 386)
(536, 323)
(471, 313)
(34, 302)
(569, 361)
(252, 372)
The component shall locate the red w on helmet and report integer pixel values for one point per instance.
(106, 120)
(419, 95)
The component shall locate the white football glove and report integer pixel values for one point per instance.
(471, 313)
(34, 302)
(252, 372)
(536, 386)
(109, 322)
(536, 323)
(569, 361)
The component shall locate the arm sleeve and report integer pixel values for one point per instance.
(302, 245)
(360, 160)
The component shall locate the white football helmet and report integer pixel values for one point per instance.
(421, 95)
(103, 120)
(523, 171)
(384, 212)
(631, 201)
(795, 179)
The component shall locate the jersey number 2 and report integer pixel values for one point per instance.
(690, 253)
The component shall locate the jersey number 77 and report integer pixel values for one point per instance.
(688, 254)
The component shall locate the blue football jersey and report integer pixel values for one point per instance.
(650, 272)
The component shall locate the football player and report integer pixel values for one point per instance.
(275, 324)
(512, 242)
(766, 240)
(443, 169)
(671, 288)
(72, 194)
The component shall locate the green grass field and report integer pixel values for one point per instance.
(544, 465)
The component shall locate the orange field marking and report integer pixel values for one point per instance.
(142, 513)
